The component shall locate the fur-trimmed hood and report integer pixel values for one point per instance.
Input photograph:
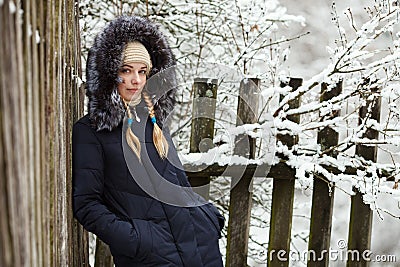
(105, 107)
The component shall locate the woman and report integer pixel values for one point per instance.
(123, 162)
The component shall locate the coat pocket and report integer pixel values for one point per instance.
(145, 246)
(163, 241)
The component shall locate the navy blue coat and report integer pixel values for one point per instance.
(140, 230)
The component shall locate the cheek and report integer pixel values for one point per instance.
(122, 78)
(121, 88)
(144, 81)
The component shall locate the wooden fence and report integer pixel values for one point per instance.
(39, 100)
(283, 183)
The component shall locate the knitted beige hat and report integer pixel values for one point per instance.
(137, 52)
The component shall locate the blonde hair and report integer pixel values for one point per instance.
(131, 138)
(159, 140)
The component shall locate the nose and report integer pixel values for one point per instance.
(135, 78)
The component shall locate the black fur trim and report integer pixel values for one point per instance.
(105, 58)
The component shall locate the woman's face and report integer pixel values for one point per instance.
(133, 77)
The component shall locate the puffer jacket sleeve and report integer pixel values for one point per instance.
(88, 206)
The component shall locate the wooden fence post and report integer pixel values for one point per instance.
(103, 257)
(202, 131)
(323, 193)
(360, 214)
(282, 196)
(241, 194)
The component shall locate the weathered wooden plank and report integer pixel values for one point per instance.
(282, 197)
(62, 119)
(241, 193)
(103, 256)
(42, 183)
(360, 226)
(281, 221)
(202, 129)
(36, 132)
(50, 134)
(29, 80)
(79, 240)
(35, 122)
(7, 252)
(321, 222)
(46, 186)
(323, 192)
(14, 142)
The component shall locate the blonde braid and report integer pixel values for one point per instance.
(159, 140)
(131, 138)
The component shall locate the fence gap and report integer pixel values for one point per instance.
(323, 192)
(360, 226)
(241, 193)
(202, 131)
(283, 193)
